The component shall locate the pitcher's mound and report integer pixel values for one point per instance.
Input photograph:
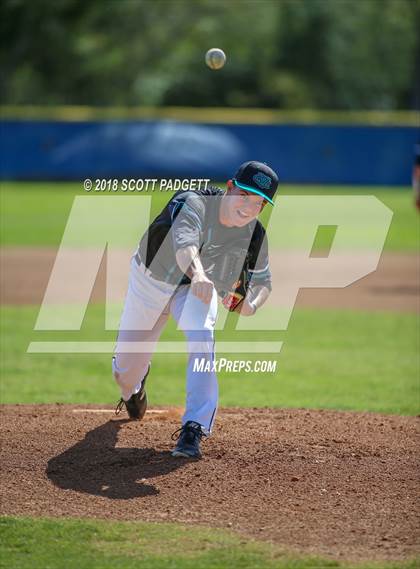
(319, 482)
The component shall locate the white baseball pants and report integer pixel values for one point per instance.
(148, 304)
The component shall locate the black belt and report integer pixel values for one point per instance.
(138, 260)
(148, 272)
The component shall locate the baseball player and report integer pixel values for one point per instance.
(204, 244)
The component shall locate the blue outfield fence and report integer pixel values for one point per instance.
(319, 154)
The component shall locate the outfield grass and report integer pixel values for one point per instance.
(36, 213)
(336, 359)
(81, 544)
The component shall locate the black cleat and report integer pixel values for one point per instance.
(137, 404)
(188, 444)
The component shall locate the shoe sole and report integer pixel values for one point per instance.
(143, 409)
(138, 416)
(180, 454)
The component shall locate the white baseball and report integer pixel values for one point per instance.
(215, 58)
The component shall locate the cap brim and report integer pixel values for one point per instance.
(253, 190)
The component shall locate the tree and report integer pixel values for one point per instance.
(338, 54)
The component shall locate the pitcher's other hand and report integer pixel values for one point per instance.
(246, 308)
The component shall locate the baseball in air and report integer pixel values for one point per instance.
(215, 58)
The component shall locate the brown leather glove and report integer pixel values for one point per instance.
(235, 297)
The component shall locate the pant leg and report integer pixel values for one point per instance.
(197, 320)
(144, 316)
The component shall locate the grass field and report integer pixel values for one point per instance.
(36, 213)
(339, 359)
(330, 358)
(83, 544)
(336, 359)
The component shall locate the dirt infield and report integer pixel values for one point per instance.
(393, 286)
(319, 482)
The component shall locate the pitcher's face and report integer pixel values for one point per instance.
(241, 207)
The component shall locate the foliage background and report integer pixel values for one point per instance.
(322, 54)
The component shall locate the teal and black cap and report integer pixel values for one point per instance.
(258, 178)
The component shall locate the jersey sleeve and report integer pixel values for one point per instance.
(187, 216)
(259, 267)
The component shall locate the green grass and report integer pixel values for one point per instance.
(36, 213)
(330, 358)
(337, 359)
(75, 544)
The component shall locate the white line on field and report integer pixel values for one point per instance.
(52, 347)
(158, 411)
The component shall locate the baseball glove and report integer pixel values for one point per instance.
(230, 275)
(233, 299)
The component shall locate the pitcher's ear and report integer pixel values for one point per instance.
(229, 184)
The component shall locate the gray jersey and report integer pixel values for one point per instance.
(192, 218)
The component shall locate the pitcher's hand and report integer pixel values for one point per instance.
(202, 288)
